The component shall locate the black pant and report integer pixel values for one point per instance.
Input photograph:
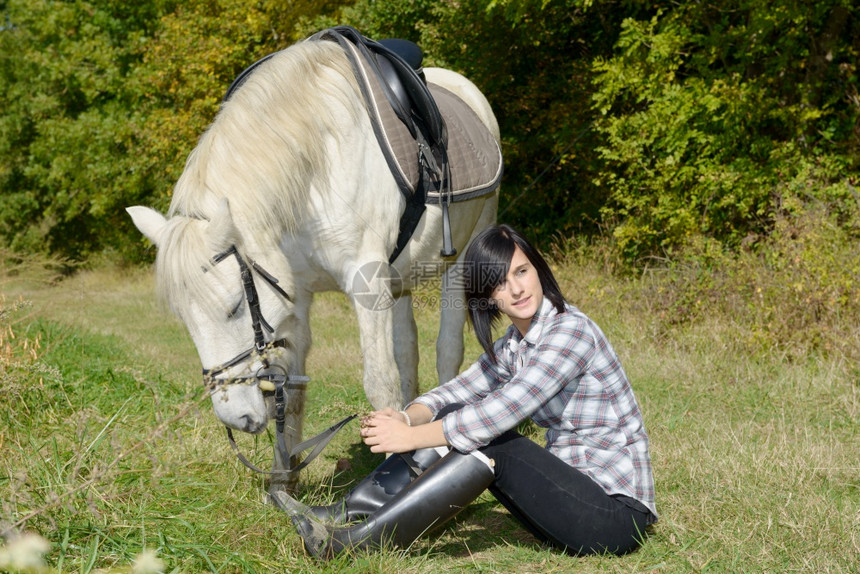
(557, 503)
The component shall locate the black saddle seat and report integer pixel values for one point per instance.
(409, 51)
(398, 63)
(412, 55)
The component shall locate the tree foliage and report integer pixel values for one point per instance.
(711, 113)
(103, 100)
(659, 122)
(60, 73)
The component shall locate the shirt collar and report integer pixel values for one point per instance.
(546, 310)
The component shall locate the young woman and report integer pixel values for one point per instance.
(590, 489)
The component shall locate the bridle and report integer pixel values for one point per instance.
(269, 377)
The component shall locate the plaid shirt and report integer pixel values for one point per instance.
(565, 376)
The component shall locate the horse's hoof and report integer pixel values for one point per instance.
(314, 535)
(288, 504)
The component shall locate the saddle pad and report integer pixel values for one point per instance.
(474, 155)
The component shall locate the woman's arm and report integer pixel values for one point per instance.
(557, 360)
(413, 428)
(387, 430)
(417, 414)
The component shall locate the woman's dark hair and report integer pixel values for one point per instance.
(486, 264)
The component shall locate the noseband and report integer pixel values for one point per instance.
(269, 377)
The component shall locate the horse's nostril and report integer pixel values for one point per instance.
(251, 426)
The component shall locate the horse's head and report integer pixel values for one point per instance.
(236, 311)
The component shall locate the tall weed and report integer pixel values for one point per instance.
(793, 293)
(117, 454)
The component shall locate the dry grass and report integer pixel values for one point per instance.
(113, 454)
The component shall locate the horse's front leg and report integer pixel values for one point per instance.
(294, 413)
(376, 332)
(406, 346)
(294, 405)
(449, 343)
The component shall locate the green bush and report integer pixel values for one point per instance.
(708, 112)
(658, 123)
(791, 293)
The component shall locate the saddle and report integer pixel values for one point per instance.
(403, 87)
(436, 147)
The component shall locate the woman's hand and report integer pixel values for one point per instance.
(386, 431)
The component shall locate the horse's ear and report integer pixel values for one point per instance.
(222, 232)
(148, 221)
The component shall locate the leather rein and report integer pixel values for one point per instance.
(269, 377)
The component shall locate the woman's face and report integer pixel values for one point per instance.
(520, 295)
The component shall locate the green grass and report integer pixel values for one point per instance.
(110, 447)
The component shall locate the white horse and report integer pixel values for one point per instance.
(291, 176)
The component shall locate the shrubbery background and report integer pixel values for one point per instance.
(711, 149)
(658, 124)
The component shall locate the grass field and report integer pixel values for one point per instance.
(112, 456)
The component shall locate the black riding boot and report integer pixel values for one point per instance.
(377, 488)
(430, 500)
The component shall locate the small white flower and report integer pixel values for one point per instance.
(148, 562)
(24, 552)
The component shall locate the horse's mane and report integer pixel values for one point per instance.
(178, 270)
(263, 152)
(265, 148)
